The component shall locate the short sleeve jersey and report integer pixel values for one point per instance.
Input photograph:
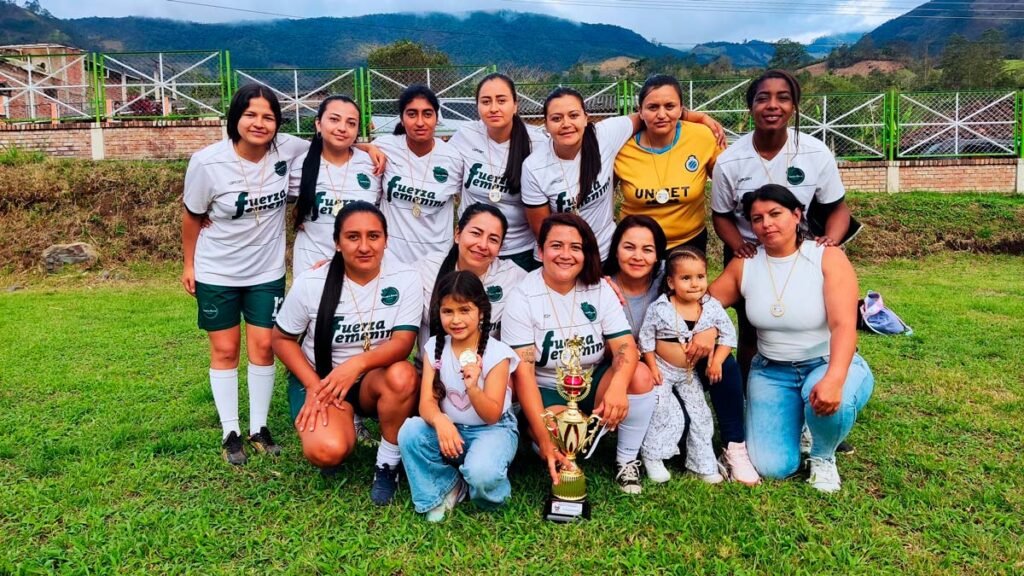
(245, 202)
(456, 403)
(668, 184)
(335, 187)
(386, 304)
(417, 197)
(662, 321)
(540, 317)
(485, 161)
(547, 179)
(808, 169)
(502, 276)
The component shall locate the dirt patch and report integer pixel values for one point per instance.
(862, 68)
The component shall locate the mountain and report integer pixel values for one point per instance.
(757, 53)
(821, 47)
(19, 26)
(969, 18)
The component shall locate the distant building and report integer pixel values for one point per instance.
(37, 80)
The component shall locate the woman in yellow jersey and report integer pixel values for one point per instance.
(664, 168)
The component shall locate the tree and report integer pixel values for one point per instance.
(406, 54)
(967, 64)
(789, 55)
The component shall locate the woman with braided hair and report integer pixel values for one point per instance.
(465, 436)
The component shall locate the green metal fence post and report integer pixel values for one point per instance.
(892, 128)
(227, 88)
(99, 74)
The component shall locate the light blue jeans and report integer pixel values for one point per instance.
(778, 406)
(488, 451)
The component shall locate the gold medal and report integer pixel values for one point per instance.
(777, 309)
(336, 208)
(416, 210)
(366, 342)
(494, 195)
(661, 196)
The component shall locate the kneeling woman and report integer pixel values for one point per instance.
(801, 297)
(566, 299)
(360, 323)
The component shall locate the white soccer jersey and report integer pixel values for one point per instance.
(456, 403)
(245, 202)
(530, 319)
(502, 276)
(335, 187)
(484, 163)
(390, 302)
(417, 197)
(804, 165)
(547, 179)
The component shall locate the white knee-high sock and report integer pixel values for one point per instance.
(225, 396)
(388, 453)
(261, 389)
(634, 427)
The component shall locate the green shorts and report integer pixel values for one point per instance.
(297, 397)
(222, 307)
(551, 397)
(523, 259)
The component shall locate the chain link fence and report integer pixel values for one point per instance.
(454, 86)
(300, 91)
(46, 87)
(161, 84)
(851, 125)
(602, 99)
(957, 124)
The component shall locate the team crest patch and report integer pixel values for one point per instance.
(281, 168)
(363, 180)
(210, 311)
(440, 174)
(692, 163)
(494, 293)
(589, 311)
(794, 175)
(389, 296)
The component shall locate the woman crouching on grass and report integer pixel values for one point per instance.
(360, 322)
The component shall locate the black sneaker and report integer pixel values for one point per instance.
(385, 484)
(232, 450)
(845, 448)
(628, 477)
(263, 442)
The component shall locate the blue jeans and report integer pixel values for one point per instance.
(778, 405)
(488, 451)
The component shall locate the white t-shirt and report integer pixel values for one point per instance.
(390, 302)
(501, 277)
(529, 319)
(809, 171)
(547, 179)
(456, 403)
(424, 185)
(335, 187)
(485, 161)
(245, 241)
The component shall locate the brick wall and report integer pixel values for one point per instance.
(64, 140)
(158, 140)
(867, 176)
(959, 174)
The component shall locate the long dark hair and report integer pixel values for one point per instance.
(452, 258)
(782, 196)
(408, 95)
(239, 104)
(463, 286)
(677, 254)
(794, 90)
(306, 204)
(591, 273)
(519, 144)
(323, 332)
(590, 153)
(611, 267)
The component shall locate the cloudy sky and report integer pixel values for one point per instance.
(678, 23)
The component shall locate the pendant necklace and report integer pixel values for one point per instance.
(554, 310)
(417, 208)
(494, 195)
(561, 165)
(764, 163)
(662, 195)
(364, 327)
(344, 178)
(778, 309)
(245, 180)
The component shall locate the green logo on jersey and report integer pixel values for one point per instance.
(692, 163)
(389, 296)
(440, 174)
(364, 181)
(281, 168)
(589, 311)
(494, 293)
(794, 175)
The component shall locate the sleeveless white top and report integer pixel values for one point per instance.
(801, 332)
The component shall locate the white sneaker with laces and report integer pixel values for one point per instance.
(824, 475)
(656, 471)
(737, 466)
(628, 477)
(451, 500)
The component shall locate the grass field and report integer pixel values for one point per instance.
(109, 459)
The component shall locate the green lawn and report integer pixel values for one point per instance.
(109, 459)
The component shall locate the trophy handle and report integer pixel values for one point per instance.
(548, 417)
(593, 426)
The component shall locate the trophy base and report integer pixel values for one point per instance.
(564, 511)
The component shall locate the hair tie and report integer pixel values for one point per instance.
(437, 364)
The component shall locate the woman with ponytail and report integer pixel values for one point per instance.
(574, 174)
(344, 333)
(493, 150)
(465, 436)
(334, 172)
(478, 241)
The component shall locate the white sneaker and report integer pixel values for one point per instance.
(451, 500)
(713, 478)
(628, 477)
(824, 475)
(736, 465)
(656, 471)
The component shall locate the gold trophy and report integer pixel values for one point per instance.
(572, 432)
